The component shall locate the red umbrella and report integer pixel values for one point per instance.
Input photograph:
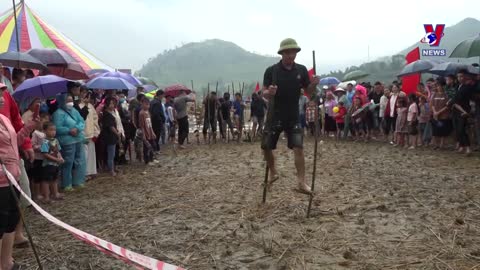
(174, 90)
(72, 71)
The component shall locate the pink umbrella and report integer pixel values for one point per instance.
(174, 90)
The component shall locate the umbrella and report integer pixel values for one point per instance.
(52, 56)
(147, 81)
(355, 75)
(446, 68)
(97, 71)
(150, 88)
(72, 71)
(329, 81)
(467, 48)
(174, 90)
(345, 84)
(418, 66)
(127, 77)
(110, 83)
(41, 86)
(21, 60)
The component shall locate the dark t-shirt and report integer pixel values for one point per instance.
(376, 97)
(463, 97)
(210, 108)
(258, 107)
(289, 83)
(225, 108)
(107, 135)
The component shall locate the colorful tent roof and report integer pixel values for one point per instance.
(33, 32)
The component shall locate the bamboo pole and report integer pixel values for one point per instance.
(314, 171)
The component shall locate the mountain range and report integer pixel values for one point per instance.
(217, 60)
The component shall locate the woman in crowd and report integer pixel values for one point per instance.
(9, 213)
(401, 129)
(92, 130)
(441, 122)
(70, 133)
(109, 134)
(391, 111)
(330, 125)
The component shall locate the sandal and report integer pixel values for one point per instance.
(22, 244)
(303, 191)
(59, 197)
(273, 180)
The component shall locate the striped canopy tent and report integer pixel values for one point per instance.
(33, 32)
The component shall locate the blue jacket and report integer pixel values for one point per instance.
(66, 119)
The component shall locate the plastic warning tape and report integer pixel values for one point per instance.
(137, 260)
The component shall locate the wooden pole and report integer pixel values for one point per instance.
(226, 124)
(270, 112)
(316, 141)
(208, 112)
(16, 27)
(195, 107)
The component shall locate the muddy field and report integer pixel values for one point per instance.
(377, 207)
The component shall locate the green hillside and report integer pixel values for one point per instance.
(385, 69)
(217, 60)
(208, 62)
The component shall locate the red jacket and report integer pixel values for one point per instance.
(340, 116)
(11, 111)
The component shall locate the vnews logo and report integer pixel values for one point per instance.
(433, 38)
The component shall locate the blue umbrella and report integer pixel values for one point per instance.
(96, 70)
(110, 83)
(329, 81)
(42, 87)
(127, 77)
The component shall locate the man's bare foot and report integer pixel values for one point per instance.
(304, 189)
(274, 178)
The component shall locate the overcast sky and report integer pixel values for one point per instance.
(125, 33)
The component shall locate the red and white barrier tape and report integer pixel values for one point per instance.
(137, 260)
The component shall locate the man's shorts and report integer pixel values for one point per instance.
(271, 134)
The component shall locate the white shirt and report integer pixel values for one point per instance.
(119, 122)
(393, 101)
(383, 105)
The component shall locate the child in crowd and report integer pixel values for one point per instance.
(412, 121)
(145, 124)
(138, 145)
(340, 118)
(50, 167)
(35, 173)
(401, 128)
(423, 121)
(358, 119)
(238, 106)
(310, 117)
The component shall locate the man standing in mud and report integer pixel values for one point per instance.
(282, 84)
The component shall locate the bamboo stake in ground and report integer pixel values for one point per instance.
(208, 113)
(314, 97)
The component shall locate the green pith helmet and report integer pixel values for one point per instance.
(288, 44)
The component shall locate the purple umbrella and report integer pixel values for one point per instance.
(127, 77)
(109, 83)
(41, 87)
